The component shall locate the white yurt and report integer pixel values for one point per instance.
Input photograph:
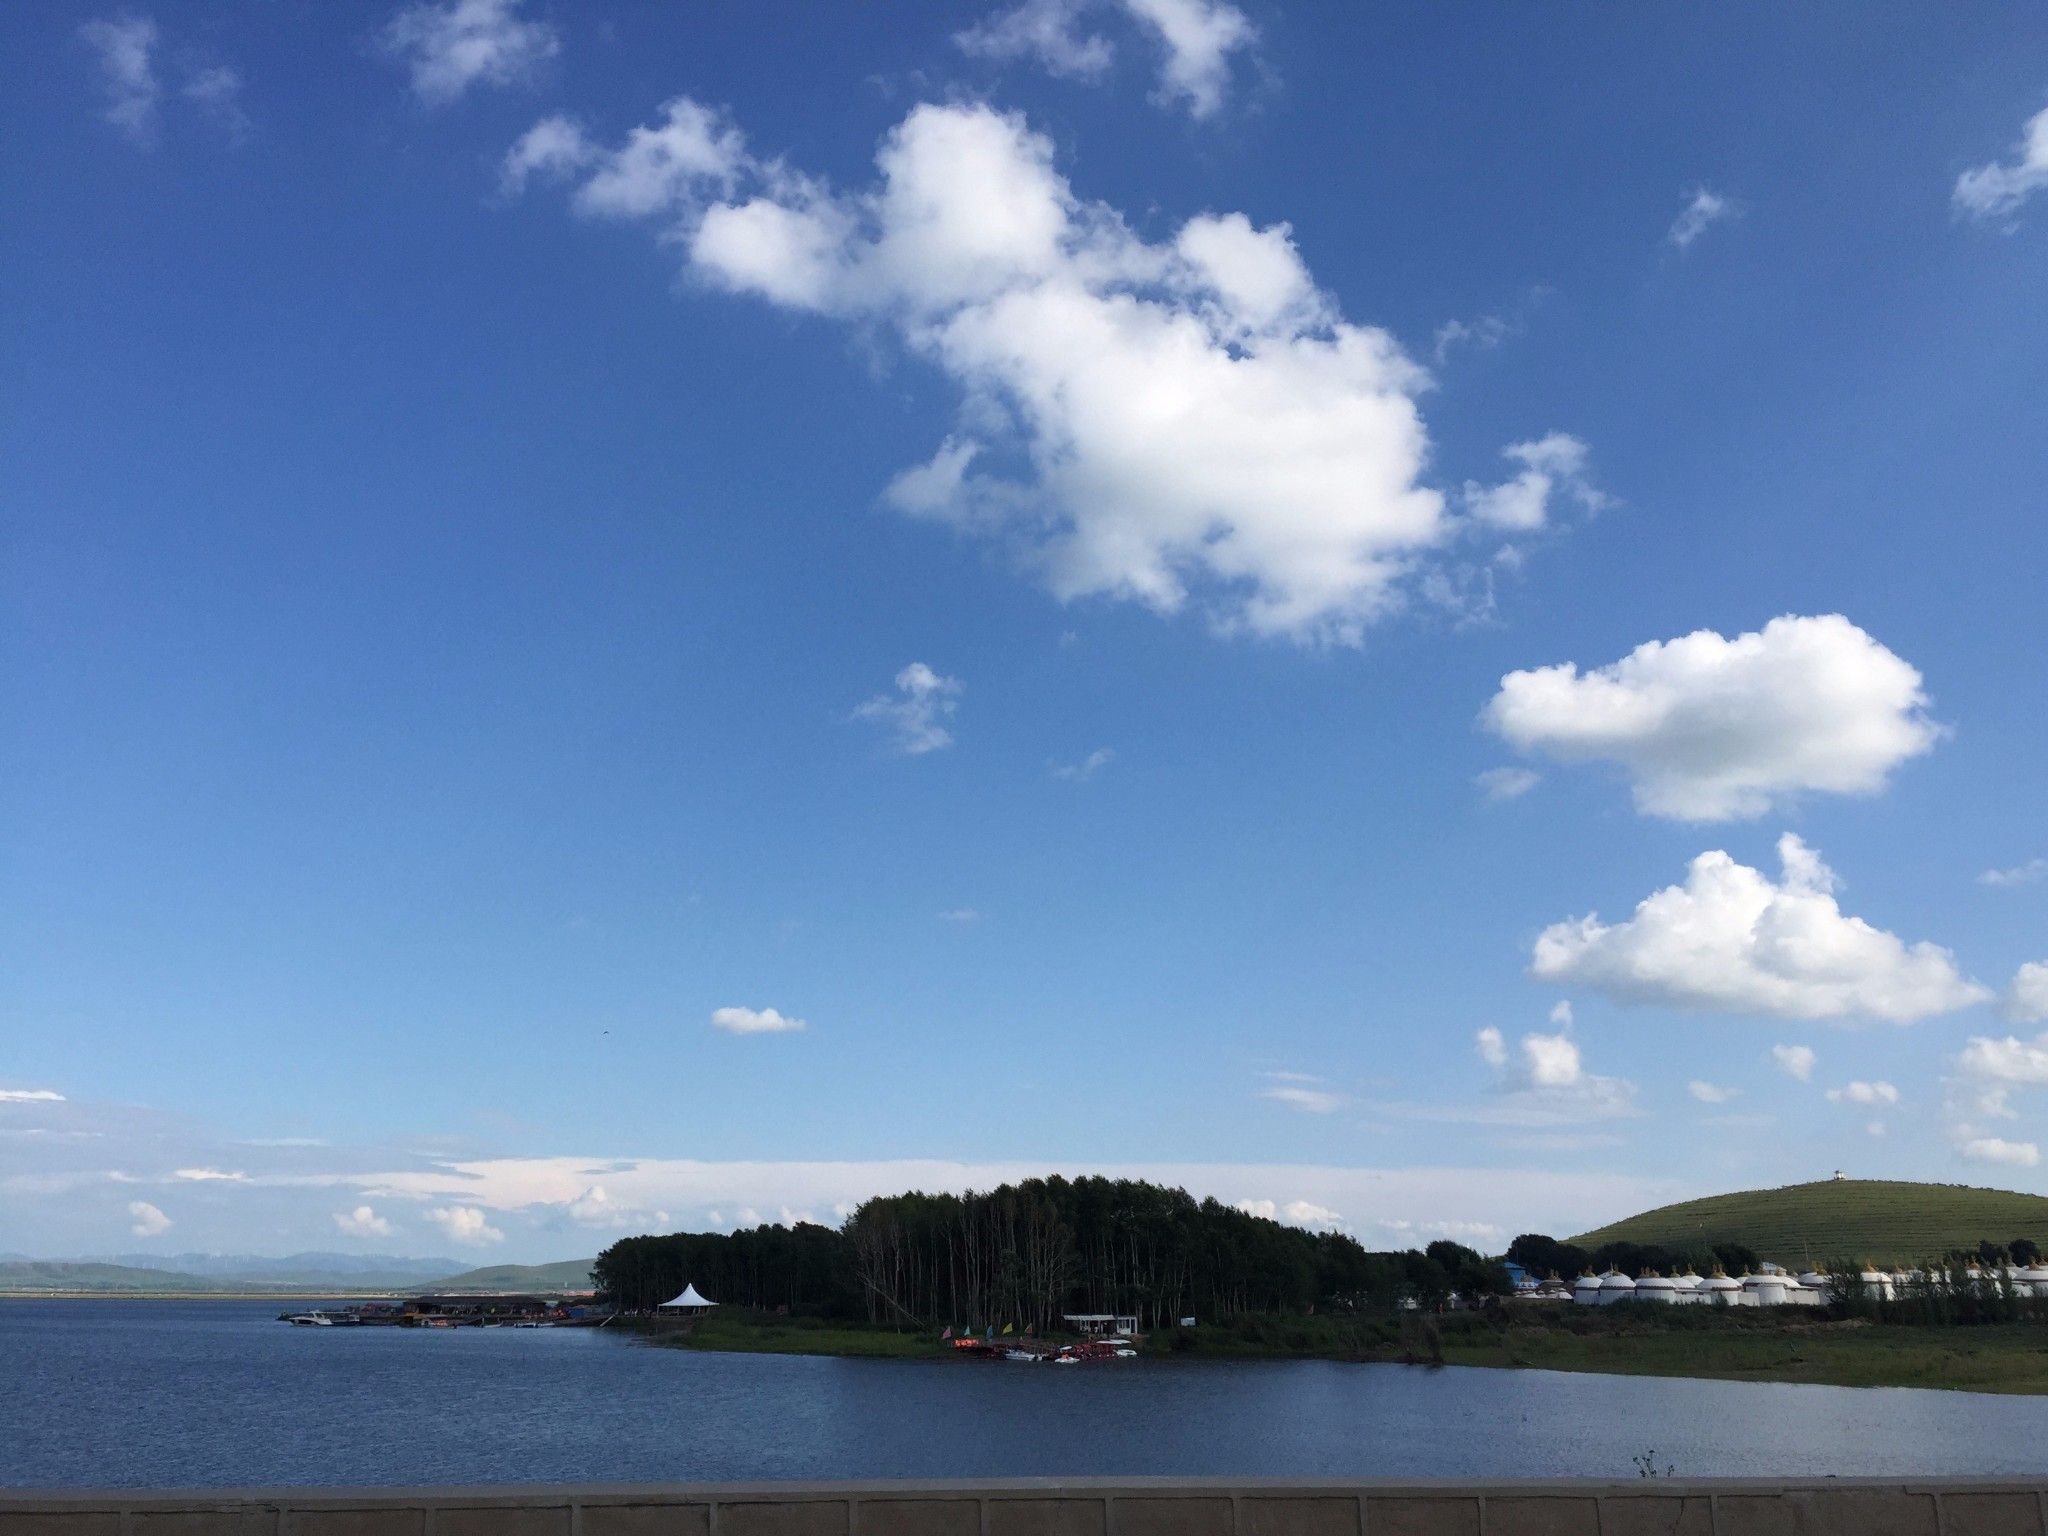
(1586, 1290)
(1615, 1286)
(1877, 1285)
(1765, 1290)
(2032, 1280)
(1719, 1290)
(1688, 1286)
(1818, 1283)
(1655, 1287)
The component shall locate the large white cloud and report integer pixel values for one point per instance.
(1732, 940)
(1711, 729)
(1991, 191)
(1186, 421)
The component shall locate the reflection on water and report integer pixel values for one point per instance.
(219, 1393)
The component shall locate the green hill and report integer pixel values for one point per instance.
(1879, 1220)
(567, 1275)
(58, 1277)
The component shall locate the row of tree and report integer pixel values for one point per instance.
(1542, 1256)
(1025, 1254)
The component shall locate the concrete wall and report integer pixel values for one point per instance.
(1063, 1507)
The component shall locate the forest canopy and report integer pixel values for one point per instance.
(1024, 1254)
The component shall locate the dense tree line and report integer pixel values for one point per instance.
(1543, 1256)
(1022, 1255)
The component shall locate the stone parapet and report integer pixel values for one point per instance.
(1062, 1507)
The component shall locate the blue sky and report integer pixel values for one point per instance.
(1040, 543)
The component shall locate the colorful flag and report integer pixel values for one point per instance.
(947, 1334)
(1008, 1329)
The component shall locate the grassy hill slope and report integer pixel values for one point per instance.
(1879, 1220)
(566, 1275)
(59, 1277)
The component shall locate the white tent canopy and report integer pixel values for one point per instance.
(689, 1298)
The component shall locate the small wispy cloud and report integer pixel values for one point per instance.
(1482, 334)
(1499, 785)
(451, 46)
(132, 63)
(2019, 874)
(1991, 191)
(1298, 1091)
(1086, 768)
(960, 915)
(918, 712)
(1705, 209)
(1709, 1093)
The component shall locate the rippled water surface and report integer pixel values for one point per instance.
(191, 1393)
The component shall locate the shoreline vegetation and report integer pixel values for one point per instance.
(1632, 1339)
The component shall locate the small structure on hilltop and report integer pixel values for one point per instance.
(691, 1303)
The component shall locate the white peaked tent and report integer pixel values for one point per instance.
(690, 1301)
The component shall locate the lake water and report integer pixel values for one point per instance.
(219, 1393)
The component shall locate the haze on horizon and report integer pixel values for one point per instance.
(1426, 619)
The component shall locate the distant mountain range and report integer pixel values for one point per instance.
(313, 1273)
(300, 1268)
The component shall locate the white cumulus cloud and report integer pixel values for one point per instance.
(147, 1220)
(1864, 1093)
(1550, 465)
(1199, 37)
(754, 1021)
(1991, 191)
(918, 711)
(1732, 940)
(363, 1221)
(1545, 1078)
(1713, 729)
(1996, 1149)
(2026, 1001)
(1184, 422)
(465, 1224)
(451, 45)
(1794, 1061)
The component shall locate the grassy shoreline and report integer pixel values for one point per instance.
(2004, 1358)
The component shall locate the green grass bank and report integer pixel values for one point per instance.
(1621, 1341)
